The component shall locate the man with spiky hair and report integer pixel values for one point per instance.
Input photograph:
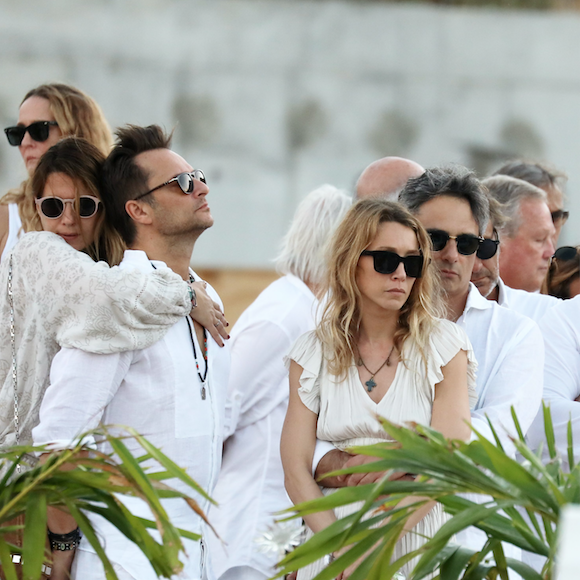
(172, 392)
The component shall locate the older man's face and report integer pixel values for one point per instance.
(525, 257)
(486, 272)
(451, 215)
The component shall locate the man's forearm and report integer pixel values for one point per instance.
(332, 461)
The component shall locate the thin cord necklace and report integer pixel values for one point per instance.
(204, 353)
(371, 384)
(203, 378)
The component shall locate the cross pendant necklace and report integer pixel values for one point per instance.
(371, 384)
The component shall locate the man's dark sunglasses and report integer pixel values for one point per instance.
(184, 180)
(39, 131)
(488, 248)
(560, 215)
(386, 262)
(566, 253)
(467, 244)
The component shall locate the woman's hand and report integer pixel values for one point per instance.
(208, 313)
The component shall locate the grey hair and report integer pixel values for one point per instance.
(303, 252)
(497, 215)
(511, 192)
(454, 181)
(538, 174)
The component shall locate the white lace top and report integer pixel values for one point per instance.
(63, 298)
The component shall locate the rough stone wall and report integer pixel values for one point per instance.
(274, 98)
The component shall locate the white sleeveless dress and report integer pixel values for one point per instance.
(346, 413)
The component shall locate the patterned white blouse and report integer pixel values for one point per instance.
(62, 298)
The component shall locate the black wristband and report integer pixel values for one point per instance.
(64, 542)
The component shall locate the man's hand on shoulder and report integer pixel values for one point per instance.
(209, 314)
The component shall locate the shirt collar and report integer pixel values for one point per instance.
(502, 295)
(475, 300)
(138, 259)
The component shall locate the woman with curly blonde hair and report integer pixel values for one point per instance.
(47, 114)
(380, 348)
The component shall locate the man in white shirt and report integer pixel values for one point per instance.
(172, 392)
(527, 236)
(386, 177)
(485, 273)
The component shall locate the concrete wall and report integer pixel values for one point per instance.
(273, 98)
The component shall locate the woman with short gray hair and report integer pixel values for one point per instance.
(251, 484)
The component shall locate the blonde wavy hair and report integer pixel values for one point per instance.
(77, 115)
(338, 329)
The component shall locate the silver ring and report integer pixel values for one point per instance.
(218, 323)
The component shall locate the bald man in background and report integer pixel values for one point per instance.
(386, 178)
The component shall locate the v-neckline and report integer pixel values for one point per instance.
(364, 389)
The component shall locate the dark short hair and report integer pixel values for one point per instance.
(123, 179)
(538, 174)
(453, 181)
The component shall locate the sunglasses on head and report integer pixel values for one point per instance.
(566, 253)
(488, 247)
(184, 180)
(53, 207)
(386, 262)
(467, 244)
(39, 131)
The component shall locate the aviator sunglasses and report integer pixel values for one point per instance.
(184, 180)
(467, 244)
(488, 247)
(39, 131)
(386, 262)
(53, 207)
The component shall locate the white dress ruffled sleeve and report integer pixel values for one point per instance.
(307, 352)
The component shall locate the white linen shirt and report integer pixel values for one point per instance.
(561, 329)
(250, 487)
(531, 304)
(510, 355)
(156, 391)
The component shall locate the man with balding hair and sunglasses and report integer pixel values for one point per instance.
(486, 270)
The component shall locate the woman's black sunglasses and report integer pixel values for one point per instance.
(566, 253)
(39, 131)
(53, 207)
(467, 244)
(386, 262)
